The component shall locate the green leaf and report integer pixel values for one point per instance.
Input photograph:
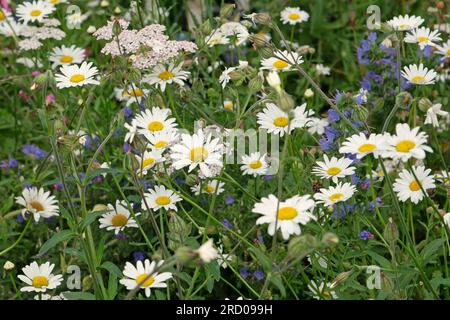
(91, 217)
(278, 282)
(214, 268)
(261, 258)
(79, 296)
(383, 262)
(63, 235)
(112, 286)
(112, 268)
(430, 249)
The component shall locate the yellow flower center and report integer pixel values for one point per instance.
(228, 105)
(209, 189)
(66, 59)
(35, 13)
(418, 79)
(36, 205)
(336, 197)
(287, 213)
(255, 164)
(155, 126)
(367, 147)
(76, 78)
(166, 75)
(403, 27)
(414, 186)
(160, 144)
(334, 171)
(40, 281)
(422, 39)
(281, 121)
(54, 1)
(326, 295)
(198, 154)
(448, 52)
(405, 146)
(147, 162)
(162, 200)
(294, 16)
(2, 16)
(136, 92)
(147, 282)
(280, 64)
(119, 220)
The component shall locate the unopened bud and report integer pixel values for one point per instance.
(391, 231)
(117, 10)
(425, 104)
(104, 4)
(258, 40)
(255, 84)
(262, 18)
(273, 79)
(8, 266)
(116, 28)
(340, 278)
(301, 245)
(91, 29)
(100, 207)
(330, 239)
(235, 75)
(308, 93)
(285, 101)
(403, 99)
(191, 180)
(266, 52)
(226, 10)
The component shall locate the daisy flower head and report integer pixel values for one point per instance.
(34, 11)
(277, 121)
(148, 160)
(197, 150)
(216, 37)
(228, 104)
(443, 176)
(39, 278)
(423, 37)
(11, 28)
(117, 218)
(131, 94)
(334, 194)
(144, 275)
(38, 202)
(207, 252)
(334, 168)
(408, 187)
(234, 31)
(131, 131)
(444, 49)
(223, 258)
(322, 70)
(162, 140)
(162, 75)
(317, 125)
(56, 2)
(255, 164)
(4, 16)
(281, 61)
(405, 23)
(419, 75)
(322, 291)
(155, 120)
(225, 77)
(208, 187)
(66, 56)
(285, 215)
(160, 197)
(293, 15)
(432, 115)
(361, 145)
(406, 143)
(76, 75)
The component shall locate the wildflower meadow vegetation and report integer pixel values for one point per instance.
(157, 150)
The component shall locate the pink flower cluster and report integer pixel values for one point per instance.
(147, 46)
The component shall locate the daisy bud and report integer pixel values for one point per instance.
(301, 245)
(207, 252)
(104, 4)
(391, 231)
(273, 79)
(91, 29)
(117, 10)
(330, 239)
(8, 266)
(206, 28)
(99, 207)
(226, 10)
(308, 93)
(425, 104)
(262, 18)
(285, 101)
(403, 99)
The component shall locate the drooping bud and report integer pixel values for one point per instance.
(285, 101)
(262, 18)
(403, 99)
(340, 278)
(391, 232)
(99, 207)
(273, 79)
(330, 239)
(300, 246)
(425, 104)
(226, 10)
(255, 84)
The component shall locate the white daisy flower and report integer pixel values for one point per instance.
(282, 61)
(276, 121)
(447, 219)
(255, 164)
(10, 29)
(39, 278)
(333, 168)
(222, 258)
(56, 2)
(444, 49)
(161, 140)
(322, 70)
(287, 215)
(432, 115)
(131, 131)
(215, 38)
(76, 76)
(197, 150)
(144, 274)
(76, 19)
(339, 193)
(317, 125)
(405, 23)
(34, 11)
(5, 16)
(38, 202)
(361, 145)
(209, 187)
(419, 75)
(234, 31)
(407, 187)
(131, 94)
(443, 176)
(155, 120)
(225, 76)
(293, 15)
(228, 104)
(207, 252)
(160, 197)
(423, 37)
(322, 291)
(406, 143)
(66, 56)
(162, 75)
(117, 218)
(148, 160)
